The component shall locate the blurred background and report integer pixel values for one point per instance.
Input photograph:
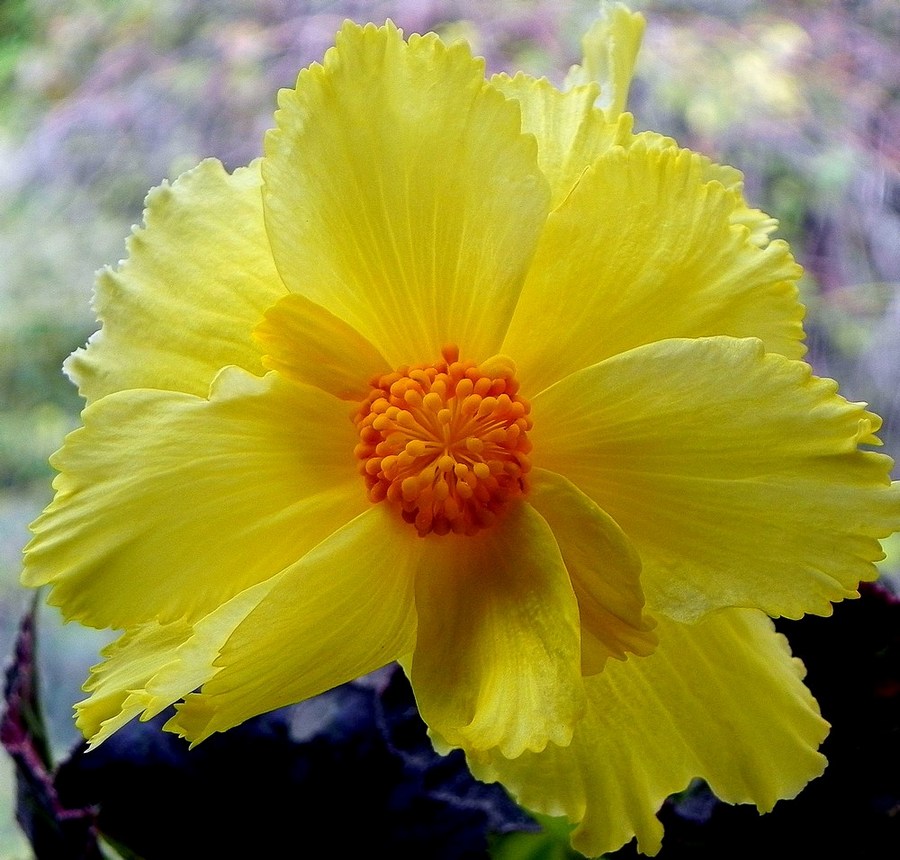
(102, 99)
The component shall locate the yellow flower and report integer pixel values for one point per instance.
(467, 374)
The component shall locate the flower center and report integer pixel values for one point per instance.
(446, 443)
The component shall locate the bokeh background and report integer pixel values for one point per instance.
(102, 99)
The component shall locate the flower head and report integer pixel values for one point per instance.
(467, 374)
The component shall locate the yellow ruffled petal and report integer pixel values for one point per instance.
(401, 195)
(604, 569)
(644, 249)
(306, 343)
(117, 684)
(722, 700)
(345, 609)
(169, 504)
(184, 304)
(498, 653)
(610, 48)
(152, 666)
(570, 131)
(756, 221)
(734, 473)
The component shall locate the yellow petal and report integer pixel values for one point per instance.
(198, 277)
(757, 222)
(644, 249)
(604, 569)
(117, 684)
(401, 195)
(152, 666)
(722, 700)
(569, 130)
(345, 609)
(169, 504)
(497, 655)
(308, 344)
(734, 473)
(610, 48)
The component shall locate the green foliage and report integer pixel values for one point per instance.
(39, 404)
(16, 19)
(552, 843)
(30, 362)
(16, 30)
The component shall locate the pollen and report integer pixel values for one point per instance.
(446, 444)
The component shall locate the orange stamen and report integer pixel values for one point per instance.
(447, 444)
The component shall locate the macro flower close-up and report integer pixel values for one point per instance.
(468, 374)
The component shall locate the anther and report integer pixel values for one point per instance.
(447, 443)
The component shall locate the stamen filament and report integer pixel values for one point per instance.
(447, 443)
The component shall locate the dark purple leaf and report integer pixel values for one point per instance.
(54, 829)
(352, 769)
